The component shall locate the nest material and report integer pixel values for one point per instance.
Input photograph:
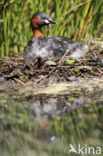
(89, 67)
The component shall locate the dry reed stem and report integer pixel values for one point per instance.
(23, 84)
(79, 5)
(63, 56)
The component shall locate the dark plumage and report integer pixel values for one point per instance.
(45, 47)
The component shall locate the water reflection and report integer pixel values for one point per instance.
(47, 121)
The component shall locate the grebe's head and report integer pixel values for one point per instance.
(40, 19)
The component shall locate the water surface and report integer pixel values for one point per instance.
(45, 120)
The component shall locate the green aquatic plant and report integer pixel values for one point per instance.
(77, 70)
(92, 72)
(70, 62)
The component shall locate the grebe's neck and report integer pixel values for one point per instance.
(37, 33)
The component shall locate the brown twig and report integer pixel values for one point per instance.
(101, 73)
(63, 56)
(23, 84)
(46, 75)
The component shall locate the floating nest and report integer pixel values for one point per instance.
(14, 68)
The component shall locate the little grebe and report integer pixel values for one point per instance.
(45, 47)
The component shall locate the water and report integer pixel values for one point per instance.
(37, 121)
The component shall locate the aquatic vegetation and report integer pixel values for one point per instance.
(21, 130)
(74, 19)
(45, 110)
(70, 62)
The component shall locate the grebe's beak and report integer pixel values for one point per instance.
(49, 21)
